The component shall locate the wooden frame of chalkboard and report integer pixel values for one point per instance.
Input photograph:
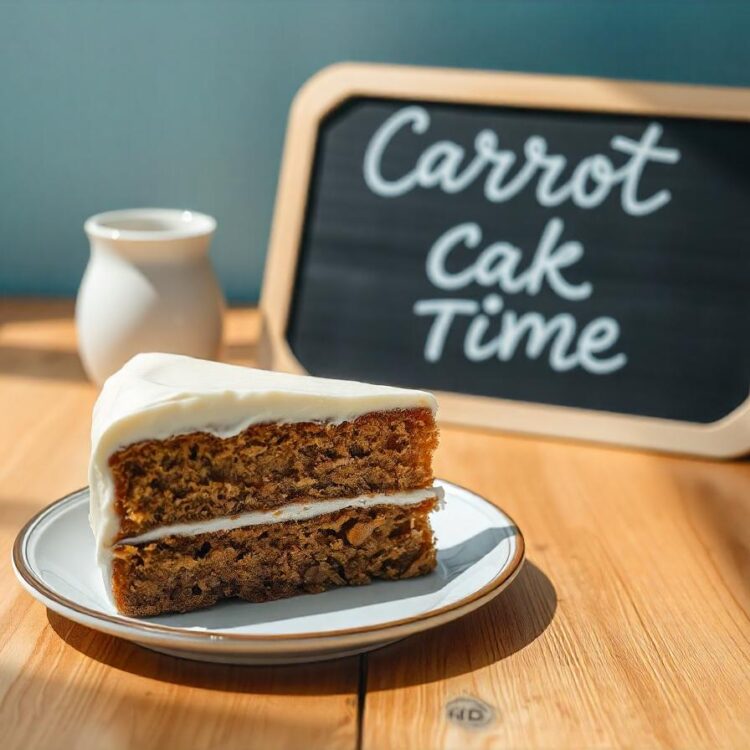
(340, 84)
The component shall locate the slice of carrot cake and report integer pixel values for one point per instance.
(211, 481)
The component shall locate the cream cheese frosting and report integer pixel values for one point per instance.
(290, 512)
(157, 395)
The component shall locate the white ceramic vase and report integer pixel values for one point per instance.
(148, 287)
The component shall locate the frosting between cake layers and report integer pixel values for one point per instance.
(155, 396)
(290, 512)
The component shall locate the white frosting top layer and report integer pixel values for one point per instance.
(291, 512)
(155, 396)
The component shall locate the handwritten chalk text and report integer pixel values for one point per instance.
(458, 259)
(441, 165)
(493, 331)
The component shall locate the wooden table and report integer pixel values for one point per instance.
(628, 626)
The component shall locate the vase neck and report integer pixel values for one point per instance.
(151, 234)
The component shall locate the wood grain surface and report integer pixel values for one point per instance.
(628, 627)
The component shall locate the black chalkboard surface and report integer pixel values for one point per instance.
(592, 259)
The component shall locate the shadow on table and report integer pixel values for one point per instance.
(319, 678)
(245, 352)
(15, 511)
(64, 364)
(509, 623)
(40, 344)
(504, 626)
(56, 700)
(39, 362)
(30, 309)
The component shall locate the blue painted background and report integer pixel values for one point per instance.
(114, 104)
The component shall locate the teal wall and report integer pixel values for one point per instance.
(113, 104)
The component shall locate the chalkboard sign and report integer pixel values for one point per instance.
(554, 255)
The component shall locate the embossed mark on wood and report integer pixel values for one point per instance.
(469, 712)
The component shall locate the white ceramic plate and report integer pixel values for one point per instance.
(480, 550)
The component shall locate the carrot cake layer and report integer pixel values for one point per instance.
(258, 563)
